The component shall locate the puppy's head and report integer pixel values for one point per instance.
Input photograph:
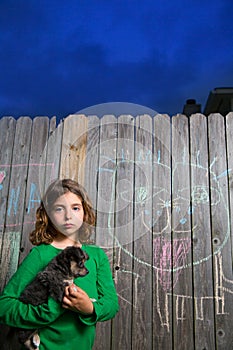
(76, 258)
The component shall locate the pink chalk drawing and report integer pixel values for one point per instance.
(169, 258)
(2, 177)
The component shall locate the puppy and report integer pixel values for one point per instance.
(60, 272)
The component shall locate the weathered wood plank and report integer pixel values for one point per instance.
(92, 158)
(124, 276)
(220, 222)
(11, 251)
(181, 236)
(201, 234)
(7, 132)
(229, 138)
(51, 156)
(106, 182)
(15, 139)
(142, 249)
(16, 197)
(161, 225)
(35, 179)
(106, 206)
(74, 144)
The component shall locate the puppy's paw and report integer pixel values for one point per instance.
(33, 342)
(36, 341)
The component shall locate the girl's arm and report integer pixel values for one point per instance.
(18, 314)
(107, 305)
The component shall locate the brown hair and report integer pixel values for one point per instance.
(45, 231)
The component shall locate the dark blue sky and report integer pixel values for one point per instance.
(58, 57)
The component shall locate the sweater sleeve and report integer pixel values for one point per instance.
(15, 313)
(107, 305)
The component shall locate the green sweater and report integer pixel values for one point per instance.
(59, 328)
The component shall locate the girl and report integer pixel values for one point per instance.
(64, 218)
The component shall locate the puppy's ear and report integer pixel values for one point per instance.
(86, 257)
(81, 254)
(43, 278)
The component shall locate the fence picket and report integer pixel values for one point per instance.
(142, 244)
(74, 143)
(161, 229)
(220, 225)
(182, 293)
(7, 133)
(201, 234)
(105, 228)
(16, 197)
(124, 218)
(35, 179)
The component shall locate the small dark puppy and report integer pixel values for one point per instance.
(60, 272)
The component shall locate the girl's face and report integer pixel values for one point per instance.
(67, 214)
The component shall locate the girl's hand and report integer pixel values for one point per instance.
(76, 299)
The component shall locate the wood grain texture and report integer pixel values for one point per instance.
(201, 229)
(35, 180)
(220, 224)
(142, 247)
(17, 188)
(92, 158)
(105, 226)
(161, 229)
(51, 156)
(124, 219)
(182, 283)
(7, 133)
(74, 144)
(229, 138)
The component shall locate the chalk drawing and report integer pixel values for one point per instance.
(223, 286)
(167, 256)
(162, 201)
(170, 257)
(34, 198)
(16, 194)
(2, 177)
(13, 201)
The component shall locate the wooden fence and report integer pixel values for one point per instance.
(162, 188)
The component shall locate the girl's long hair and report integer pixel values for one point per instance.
(44, 231)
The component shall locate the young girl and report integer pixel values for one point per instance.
(64, 218)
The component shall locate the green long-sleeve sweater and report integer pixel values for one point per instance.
(60, 329)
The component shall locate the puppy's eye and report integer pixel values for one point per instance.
(81, 264)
